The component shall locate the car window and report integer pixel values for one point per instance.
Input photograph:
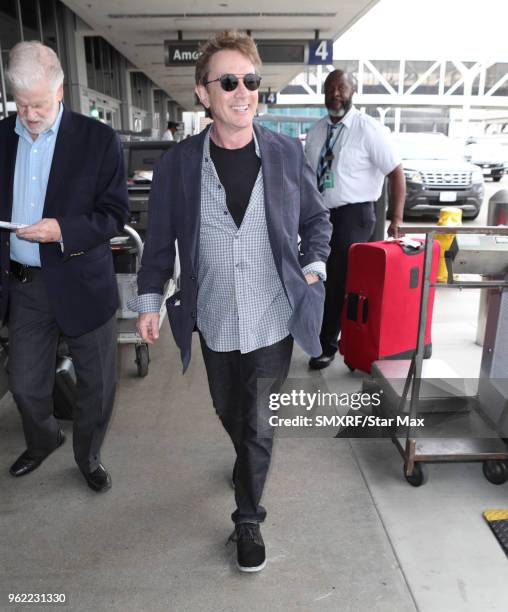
(427, 148)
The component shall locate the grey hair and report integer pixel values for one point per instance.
(31, 62)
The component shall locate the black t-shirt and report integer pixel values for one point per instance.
(237, 170)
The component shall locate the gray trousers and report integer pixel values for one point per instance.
(33, 340)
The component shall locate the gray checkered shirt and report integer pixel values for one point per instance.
(242, 304)
(241, 301)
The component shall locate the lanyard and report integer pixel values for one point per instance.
(331, 144)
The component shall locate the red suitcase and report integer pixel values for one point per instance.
(382, 302)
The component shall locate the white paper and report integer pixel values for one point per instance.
(408, 242)
(11, 226)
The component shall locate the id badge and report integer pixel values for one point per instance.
(328, 180)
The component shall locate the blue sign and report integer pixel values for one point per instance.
(267, 97)
(320, 52)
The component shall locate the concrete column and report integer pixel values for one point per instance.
(125, 96)
(149, 123)
(73, 56)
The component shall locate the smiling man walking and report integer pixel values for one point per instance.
(236, 197)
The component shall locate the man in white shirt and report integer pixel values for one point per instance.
(170, 132)
(351, 154)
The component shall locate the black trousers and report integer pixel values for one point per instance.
(33, 340)
(240, 385)
(351, 223)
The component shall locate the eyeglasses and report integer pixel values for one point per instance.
(229, 82)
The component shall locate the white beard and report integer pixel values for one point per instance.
(337, 113)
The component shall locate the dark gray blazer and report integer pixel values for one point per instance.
(294, 209)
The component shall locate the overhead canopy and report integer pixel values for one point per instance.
(138, 30)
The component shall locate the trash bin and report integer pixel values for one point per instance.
(497, 214)
(451, 216)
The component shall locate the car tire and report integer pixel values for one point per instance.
(496, 179)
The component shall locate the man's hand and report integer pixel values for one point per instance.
(393, 229)
(46, 230)
(148, 326)
(311, 278)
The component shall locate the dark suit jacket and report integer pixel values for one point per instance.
(87, 194)
(293, 206)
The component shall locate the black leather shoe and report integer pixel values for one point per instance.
(323, 361)
(25, 463)
(99, 480)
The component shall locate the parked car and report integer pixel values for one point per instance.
(490, 157)
(438, 175)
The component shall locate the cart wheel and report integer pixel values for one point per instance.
(142, 359)
(349, 366)
(419, 476)
(495, 472)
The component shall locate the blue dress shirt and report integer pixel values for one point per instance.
(31, 175)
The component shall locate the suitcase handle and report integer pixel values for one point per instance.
(410, 247)
(357, 308)
(363, 309)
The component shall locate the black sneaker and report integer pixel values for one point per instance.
(250, 548)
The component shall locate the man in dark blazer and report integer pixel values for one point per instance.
(236, 198)
(63, 181)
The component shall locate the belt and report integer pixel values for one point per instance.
(23, 273)
(350, 204)
(336, 208)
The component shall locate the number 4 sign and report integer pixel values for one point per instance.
(320, 52)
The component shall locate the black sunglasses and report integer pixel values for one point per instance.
(229, 82)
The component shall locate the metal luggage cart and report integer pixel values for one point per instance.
(412, 388)
(127, 288)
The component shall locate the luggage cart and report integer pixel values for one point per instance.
(127, 288)
(412, 388)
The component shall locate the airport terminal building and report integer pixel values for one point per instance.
(388, 485)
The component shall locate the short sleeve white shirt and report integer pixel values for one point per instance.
(363, 155)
